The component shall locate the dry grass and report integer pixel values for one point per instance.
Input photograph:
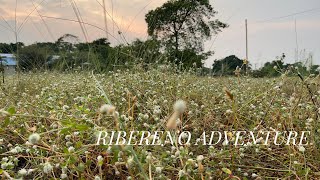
(64, 110)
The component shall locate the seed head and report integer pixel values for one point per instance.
(228, 93)
(200, 158)
(107, 109)
(302, 149)
(63, 176)
(47, 168)
(180, 106)
(22, 172)
(158, 169)
(34, 138)
(130, 161)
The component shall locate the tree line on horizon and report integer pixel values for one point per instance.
(177, 31)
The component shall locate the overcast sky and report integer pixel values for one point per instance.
(271, 25)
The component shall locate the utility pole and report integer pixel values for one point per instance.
(222, 69)
(2, 69)
(247, 61)
(297, 47)
(105, 18)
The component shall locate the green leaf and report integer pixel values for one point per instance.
(226, 170)
(1, 171)
(81, 127)
(81, 167)
(6, 122)
(11, 110)
(65, 131)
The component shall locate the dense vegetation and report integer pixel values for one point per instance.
(49, 123)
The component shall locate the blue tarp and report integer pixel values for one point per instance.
(8, 59)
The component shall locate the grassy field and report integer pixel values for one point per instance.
(49, 122)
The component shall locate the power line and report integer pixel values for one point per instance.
(72, 20)
(286, 16)
(44, 22)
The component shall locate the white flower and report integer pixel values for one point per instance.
(34, 138)
(63, 176)
(190, 161)
(22, 172)
(65, 107)
(68, 137)
(16, 150)
(302, 149)
(7, 165)
(200, 158)
(100, 158)
(184, 135)
(309, 120)
(180, 106)
(157, 110)
(130, 161)
(107, 109)
(225, 143)
(182, 173)
(146, 116)
(97, 178)
(5, 159)
(149, 157)
(228, 111)
(71, 149)
(47, 168)
(158, 170)
(30, 171)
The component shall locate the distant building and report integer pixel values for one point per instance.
(9, 62)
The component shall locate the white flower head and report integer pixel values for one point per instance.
(100, 158)
(65, 107)
(158, 169)
(107, 109)
(302, 149)
(22, 172)
(63, 176)
(130, 161)
(71, 149)
(200, 158)
(47, 168)
(34, 138)
(181, 173)
(180, 106)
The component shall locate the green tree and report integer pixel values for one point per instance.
(315, 69)
(10, 48)
(181, 24)
(274, 68)
(147, 51)
(66, 43)
(34, 57)
(227, 65)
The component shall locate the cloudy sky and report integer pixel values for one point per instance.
(271, 25)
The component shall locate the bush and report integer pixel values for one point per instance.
(33, 57)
